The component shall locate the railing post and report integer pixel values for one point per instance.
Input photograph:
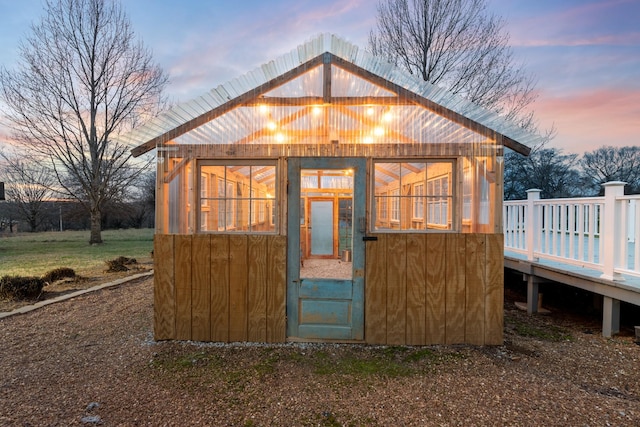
(532, 223)
(610, 229)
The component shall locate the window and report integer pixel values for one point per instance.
(416, 195)
(384, 208)
(438, 202)
(239, 196)
(254, 207)
(418, 201)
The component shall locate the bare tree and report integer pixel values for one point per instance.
(82, 78)
(546, 169)
(609, 163)
(29, 187)
(458, 45)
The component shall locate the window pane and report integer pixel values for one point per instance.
(439, 197)
(413, 196)
(237, 198)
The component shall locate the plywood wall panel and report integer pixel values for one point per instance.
(201, 288)
(183, 286)
(376, 291)
(494, 310)
(276, 298)
(164, 298)
(455, 288)
(435, 293)
(397, 289)
(475, 288)
(416, 289)
(257, 288)
(219, 288)
(238, 276)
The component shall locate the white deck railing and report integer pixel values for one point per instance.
(595, 232)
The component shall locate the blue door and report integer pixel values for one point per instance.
(330, 306)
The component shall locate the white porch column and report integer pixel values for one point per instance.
(610, 317)
(532, 223)
(610, 229)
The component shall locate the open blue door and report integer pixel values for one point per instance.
(326, 224)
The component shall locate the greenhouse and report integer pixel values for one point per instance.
(329, 196)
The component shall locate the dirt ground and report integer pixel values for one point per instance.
(92, 361)
(85, 280)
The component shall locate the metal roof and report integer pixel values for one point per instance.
(228, 113)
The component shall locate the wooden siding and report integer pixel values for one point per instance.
(420, 289)
(425, 289)
(220, 288)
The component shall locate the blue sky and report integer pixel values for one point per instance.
(584, 54)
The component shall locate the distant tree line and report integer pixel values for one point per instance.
(47, 210)
(570, 175)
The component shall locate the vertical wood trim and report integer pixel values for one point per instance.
(435, 265)
(201, 288)
(183, 286)
(238, 276)
(220, 288)
(276, 289)
(475, 289)
(376, 291)
(455, 288)
(162, 197)
(494, 309)
(416, 289)
(396, 289)
(292, 194)
(257, 288)
(164, 303)
(326, 78)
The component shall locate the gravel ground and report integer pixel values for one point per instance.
(92, 361)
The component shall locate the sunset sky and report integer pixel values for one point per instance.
(584, 54)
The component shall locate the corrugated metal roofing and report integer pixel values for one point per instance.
(310, 84)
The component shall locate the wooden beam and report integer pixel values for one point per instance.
(271, 151)
(368, 122)
(386, 172)
(282, 122)
(412, 168)
(349, 101)
(326, 78)
(177, 169)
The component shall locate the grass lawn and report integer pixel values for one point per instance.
(33, 254)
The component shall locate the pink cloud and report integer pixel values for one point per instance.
(590, 119)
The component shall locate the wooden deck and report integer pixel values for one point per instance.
(613, 291)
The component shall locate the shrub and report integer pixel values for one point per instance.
(59, 274)
(120, 264)
(20, 287)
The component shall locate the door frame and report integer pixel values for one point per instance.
(294, 167)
